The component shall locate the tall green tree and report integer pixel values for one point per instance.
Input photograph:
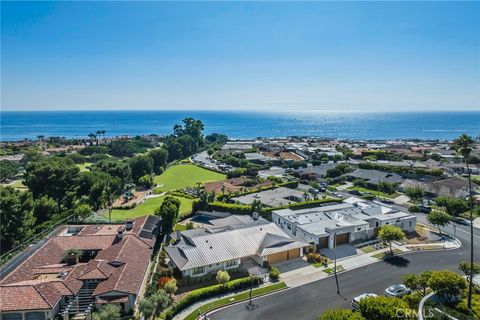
(417, 282)
(116, 168)
(8, 170)
(415, 193)
(389, 234)
(464, 145)
(154, 304)
(452, 205)
(53, 177)
(108, 312)
(168, 211)
(447, 284)
(141, 165)
(16, 211)
(44, 209)
(439, 219)
(160, 158)
(464, 266)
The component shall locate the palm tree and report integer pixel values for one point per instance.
(41, 137)
(92, 137)
(464, 145)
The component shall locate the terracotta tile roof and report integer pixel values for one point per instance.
(25, 297)
(128, 277)
(32, 294)
(121, 264)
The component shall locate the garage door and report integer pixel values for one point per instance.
(342, 238)
(294, 253)
(323, 243)
(277, 257)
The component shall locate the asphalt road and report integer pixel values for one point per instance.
(309, 301)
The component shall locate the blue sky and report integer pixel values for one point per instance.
(385, 56)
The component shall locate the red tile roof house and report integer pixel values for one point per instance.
(109, 264)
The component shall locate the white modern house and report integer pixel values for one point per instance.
(353, 220)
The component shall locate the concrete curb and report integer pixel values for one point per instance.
(241, 301)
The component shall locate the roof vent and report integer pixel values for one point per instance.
(211, 247)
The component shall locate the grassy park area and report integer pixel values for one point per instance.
(148, 207)
(182, 176)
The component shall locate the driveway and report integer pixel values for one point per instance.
(342, 251)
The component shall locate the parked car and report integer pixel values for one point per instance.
(425, 209)
(357, 299)
(355, 192)
(397, 290)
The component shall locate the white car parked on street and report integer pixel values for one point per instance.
(397, 290)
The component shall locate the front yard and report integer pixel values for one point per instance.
(375, 192)
(148, 208)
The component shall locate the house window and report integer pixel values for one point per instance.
(12, 316)
(230, 263)
(278, 220)
(289, 226)
(376, 224)
(198, 270)
(410, 223)
(359, 228)
(35, 316)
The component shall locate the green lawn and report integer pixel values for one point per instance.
(331, 270)
(148, 207)
(84, 166)
(375, 192)
(382, 255)
(236, 298)
(367, 249)
(18, 184)
(182, 176)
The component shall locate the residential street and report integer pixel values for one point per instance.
(308, 301)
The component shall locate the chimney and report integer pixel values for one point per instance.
(129, 224)
(72, 258)
(120, 234)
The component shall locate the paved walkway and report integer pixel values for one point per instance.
(476, 223)
(299, 272)
(401, 199)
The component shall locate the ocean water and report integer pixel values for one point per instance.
(76, 124)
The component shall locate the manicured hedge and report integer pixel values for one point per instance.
(208, 292)
(229, 207)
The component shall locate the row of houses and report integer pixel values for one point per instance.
(233, 241)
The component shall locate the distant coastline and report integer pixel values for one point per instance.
(443, 125)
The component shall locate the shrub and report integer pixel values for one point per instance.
(414, 208)
(207, 292)
(162, 281)
(314, 257)
(222, 277)
(274, 274)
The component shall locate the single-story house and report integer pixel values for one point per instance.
(317, 172)
(273, 197)
(451, 187)
(331, 225)
(79, 269)
(225, 246)
(373, 177)
(272, 172)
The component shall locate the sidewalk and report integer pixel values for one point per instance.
(309, 273)
(476, 223)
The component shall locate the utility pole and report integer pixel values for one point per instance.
(335, 261)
